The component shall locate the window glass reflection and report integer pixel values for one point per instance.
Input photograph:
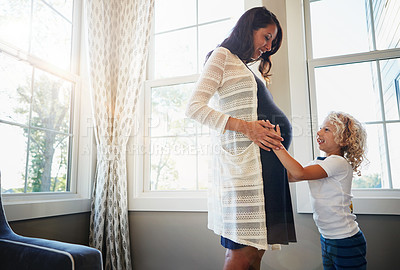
(349, 88)
(338, 27)
(175, 53)
(15, 90)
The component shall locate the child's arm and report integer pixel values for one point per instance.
(296, 171)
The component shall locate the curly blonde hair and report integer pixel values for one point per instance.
(351, 136)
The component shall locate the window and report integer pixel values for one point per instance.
(177, 150)
(353, 63)
(181, 40)
(178, 157)
(353, 66)
(37, 95)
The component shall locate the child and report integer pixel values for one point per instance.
(343, 140)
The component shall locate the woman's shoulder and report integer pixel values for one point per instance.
(220, 49)
(224, 51)
(221, 56)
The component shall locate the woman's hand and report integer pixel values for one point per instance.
(263, 134)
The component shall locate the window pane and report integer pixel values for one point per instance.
(349, 88)
(177, 163)
(15, 89)
(387, 23)
(338, 27)
(210, 35)
(374, 171)
(175, 53)
(174, 14)
(168, 105)
(63, 6)
(394, 147)
(13, 144)
(173, 163)
(15, 22)
(390, 71)
(48, 161)
(51, 36)
(51, 102)
(211, 10)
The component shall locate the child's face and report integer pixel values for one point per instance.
(326, 139)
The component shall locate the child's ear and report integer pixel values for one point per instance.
(343, 143)
(343, 146)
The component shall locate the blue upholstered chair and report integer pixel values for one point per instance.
(20, 253)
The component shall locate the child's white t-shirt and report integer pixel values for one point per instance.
(331, 199)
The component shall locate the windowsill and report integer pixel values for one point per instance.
(27, 206)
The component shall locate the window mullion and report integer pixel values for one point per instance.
(397, 86)
(29, 132)
(147, 139)
(192, 26)
(197, 156)
(30, 28)
(371, 17)
(13, 51)
(313, 110)
(308, 32)
(198, 70)
(197, 37)
(385, 135)
(56, 11)
(356, 58)
(72, 119)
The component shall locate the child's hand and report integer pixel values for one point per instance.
(277, 131)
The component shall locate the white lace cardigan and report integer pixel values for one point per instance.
(235, 198)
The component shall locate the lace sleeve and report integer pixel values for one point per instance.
(210, 80)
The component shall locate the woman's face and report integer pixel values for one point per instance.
(262, 39)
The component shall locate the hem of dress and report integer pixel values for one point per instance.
(244, 242)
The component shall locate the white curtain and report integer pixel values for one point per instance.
(118, 41)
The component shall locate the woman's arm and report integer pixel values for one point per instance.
(208, 83)
(296, 170)
(198, 109)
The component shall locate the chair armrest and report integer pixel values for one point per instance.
(18, 252)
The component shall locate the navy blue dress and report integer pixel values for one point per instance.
(278, 204)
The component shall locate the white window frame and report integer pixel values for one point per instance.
(303, 99)
(37, 205)
(138, 154)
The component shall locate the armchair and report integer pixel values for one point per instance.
(19, 252)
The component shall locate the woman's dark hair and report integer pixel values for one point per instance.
(240, 40)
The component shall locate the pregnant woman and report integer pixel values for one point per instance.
(249, 202)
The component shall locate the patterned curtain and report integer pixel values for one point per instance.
(118, 41)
